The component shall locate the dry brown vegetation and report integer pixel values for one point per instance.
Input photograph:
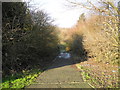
(100, 75)
(97, 39)
(100, 37)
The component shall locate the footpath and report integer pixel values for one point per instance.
(61, 74)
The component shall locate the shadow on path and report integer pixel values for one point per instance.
(78, 50)
(60, 75)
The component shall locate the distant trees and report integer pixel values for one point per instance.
(82, 17)
(29, 38)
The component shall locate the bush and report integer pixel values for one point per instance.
(28, 38)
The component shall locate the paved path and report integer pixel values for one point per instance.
(61, 74)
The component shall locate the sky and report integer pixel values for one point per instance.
(64, 15)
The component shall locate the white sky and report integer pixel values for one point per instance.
(58, 10)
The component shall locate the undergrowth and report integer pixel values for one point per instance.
(20, 80)
(98, 79)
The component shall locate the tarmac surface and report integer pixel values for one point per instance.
(61, 74)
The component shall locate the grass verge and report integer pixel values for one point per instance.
(84, 74)
(98, 79)
(20, 80)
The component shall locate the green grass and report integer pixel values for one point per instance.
(20, 80)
